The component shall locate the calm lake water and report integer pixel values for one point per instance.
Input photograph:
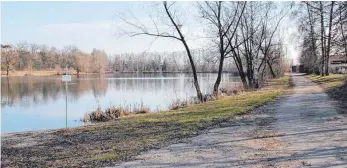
(38, 103)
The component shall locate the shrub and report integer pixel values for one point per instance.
(97, 115)
(113, 112)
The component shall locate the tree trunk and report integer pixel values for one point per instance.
(329, 39)
(344, 40)
(221, 52)
(262, 71)
(7, 64)
(78, 73)
(219, 77)
(7, 70)
(322, 38)
(182, 39)
(271, 70)
(242, 74)
(196, 82)
(312, 38)
(250, 75)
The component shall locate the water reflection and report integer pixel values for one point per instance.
(32, 103)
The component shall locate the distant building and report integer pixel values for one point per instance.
(298, 68)
(338, 64)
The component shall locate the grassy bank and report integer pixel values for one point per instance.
(106, 144)
(335, 86)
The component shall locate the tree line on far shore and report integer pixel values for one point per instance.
(34, 57)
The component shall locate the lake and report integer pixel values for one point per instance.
(39, 103)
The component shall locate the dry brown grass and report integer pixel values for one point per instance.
(113, 113)
(232, 89)
(182, 103)
(141, 110)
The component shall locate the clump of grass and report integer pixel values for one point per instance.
(141, 110)
(177, 104)
(232, 90)
(97, 115)
(113, 113)
(182, 103)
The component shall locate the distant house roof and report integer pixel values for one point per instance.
(338, 59)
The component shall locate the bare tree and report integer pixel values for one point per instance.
(23, 52)
(255, 48)
(223, 22)
(311, 29)
(312, 35)
(99, 61)
(252, 34)
(32, 56)
(8, 58)
(325, 13)
(177, 26)
(342, 13)
(269, 43)
(329, 38)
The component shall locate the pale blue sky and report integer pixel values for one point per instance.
(20, 18)
(87, 25)
(91, 25)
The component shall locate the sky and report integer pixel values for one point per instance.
(89, 25)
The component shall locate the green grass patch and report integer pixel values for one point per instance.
(333, 80)
(104, 156)
(335, 85)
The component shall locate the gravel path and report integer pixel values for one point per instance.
(302, 129)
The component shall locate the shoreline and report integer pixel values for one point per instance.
(116, 141)
(40, 73)
(56, 73)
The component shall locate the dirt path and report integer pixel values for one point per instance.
(301, 129)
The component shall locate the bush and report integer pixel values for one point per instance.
(97, 115)
(113, 112)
